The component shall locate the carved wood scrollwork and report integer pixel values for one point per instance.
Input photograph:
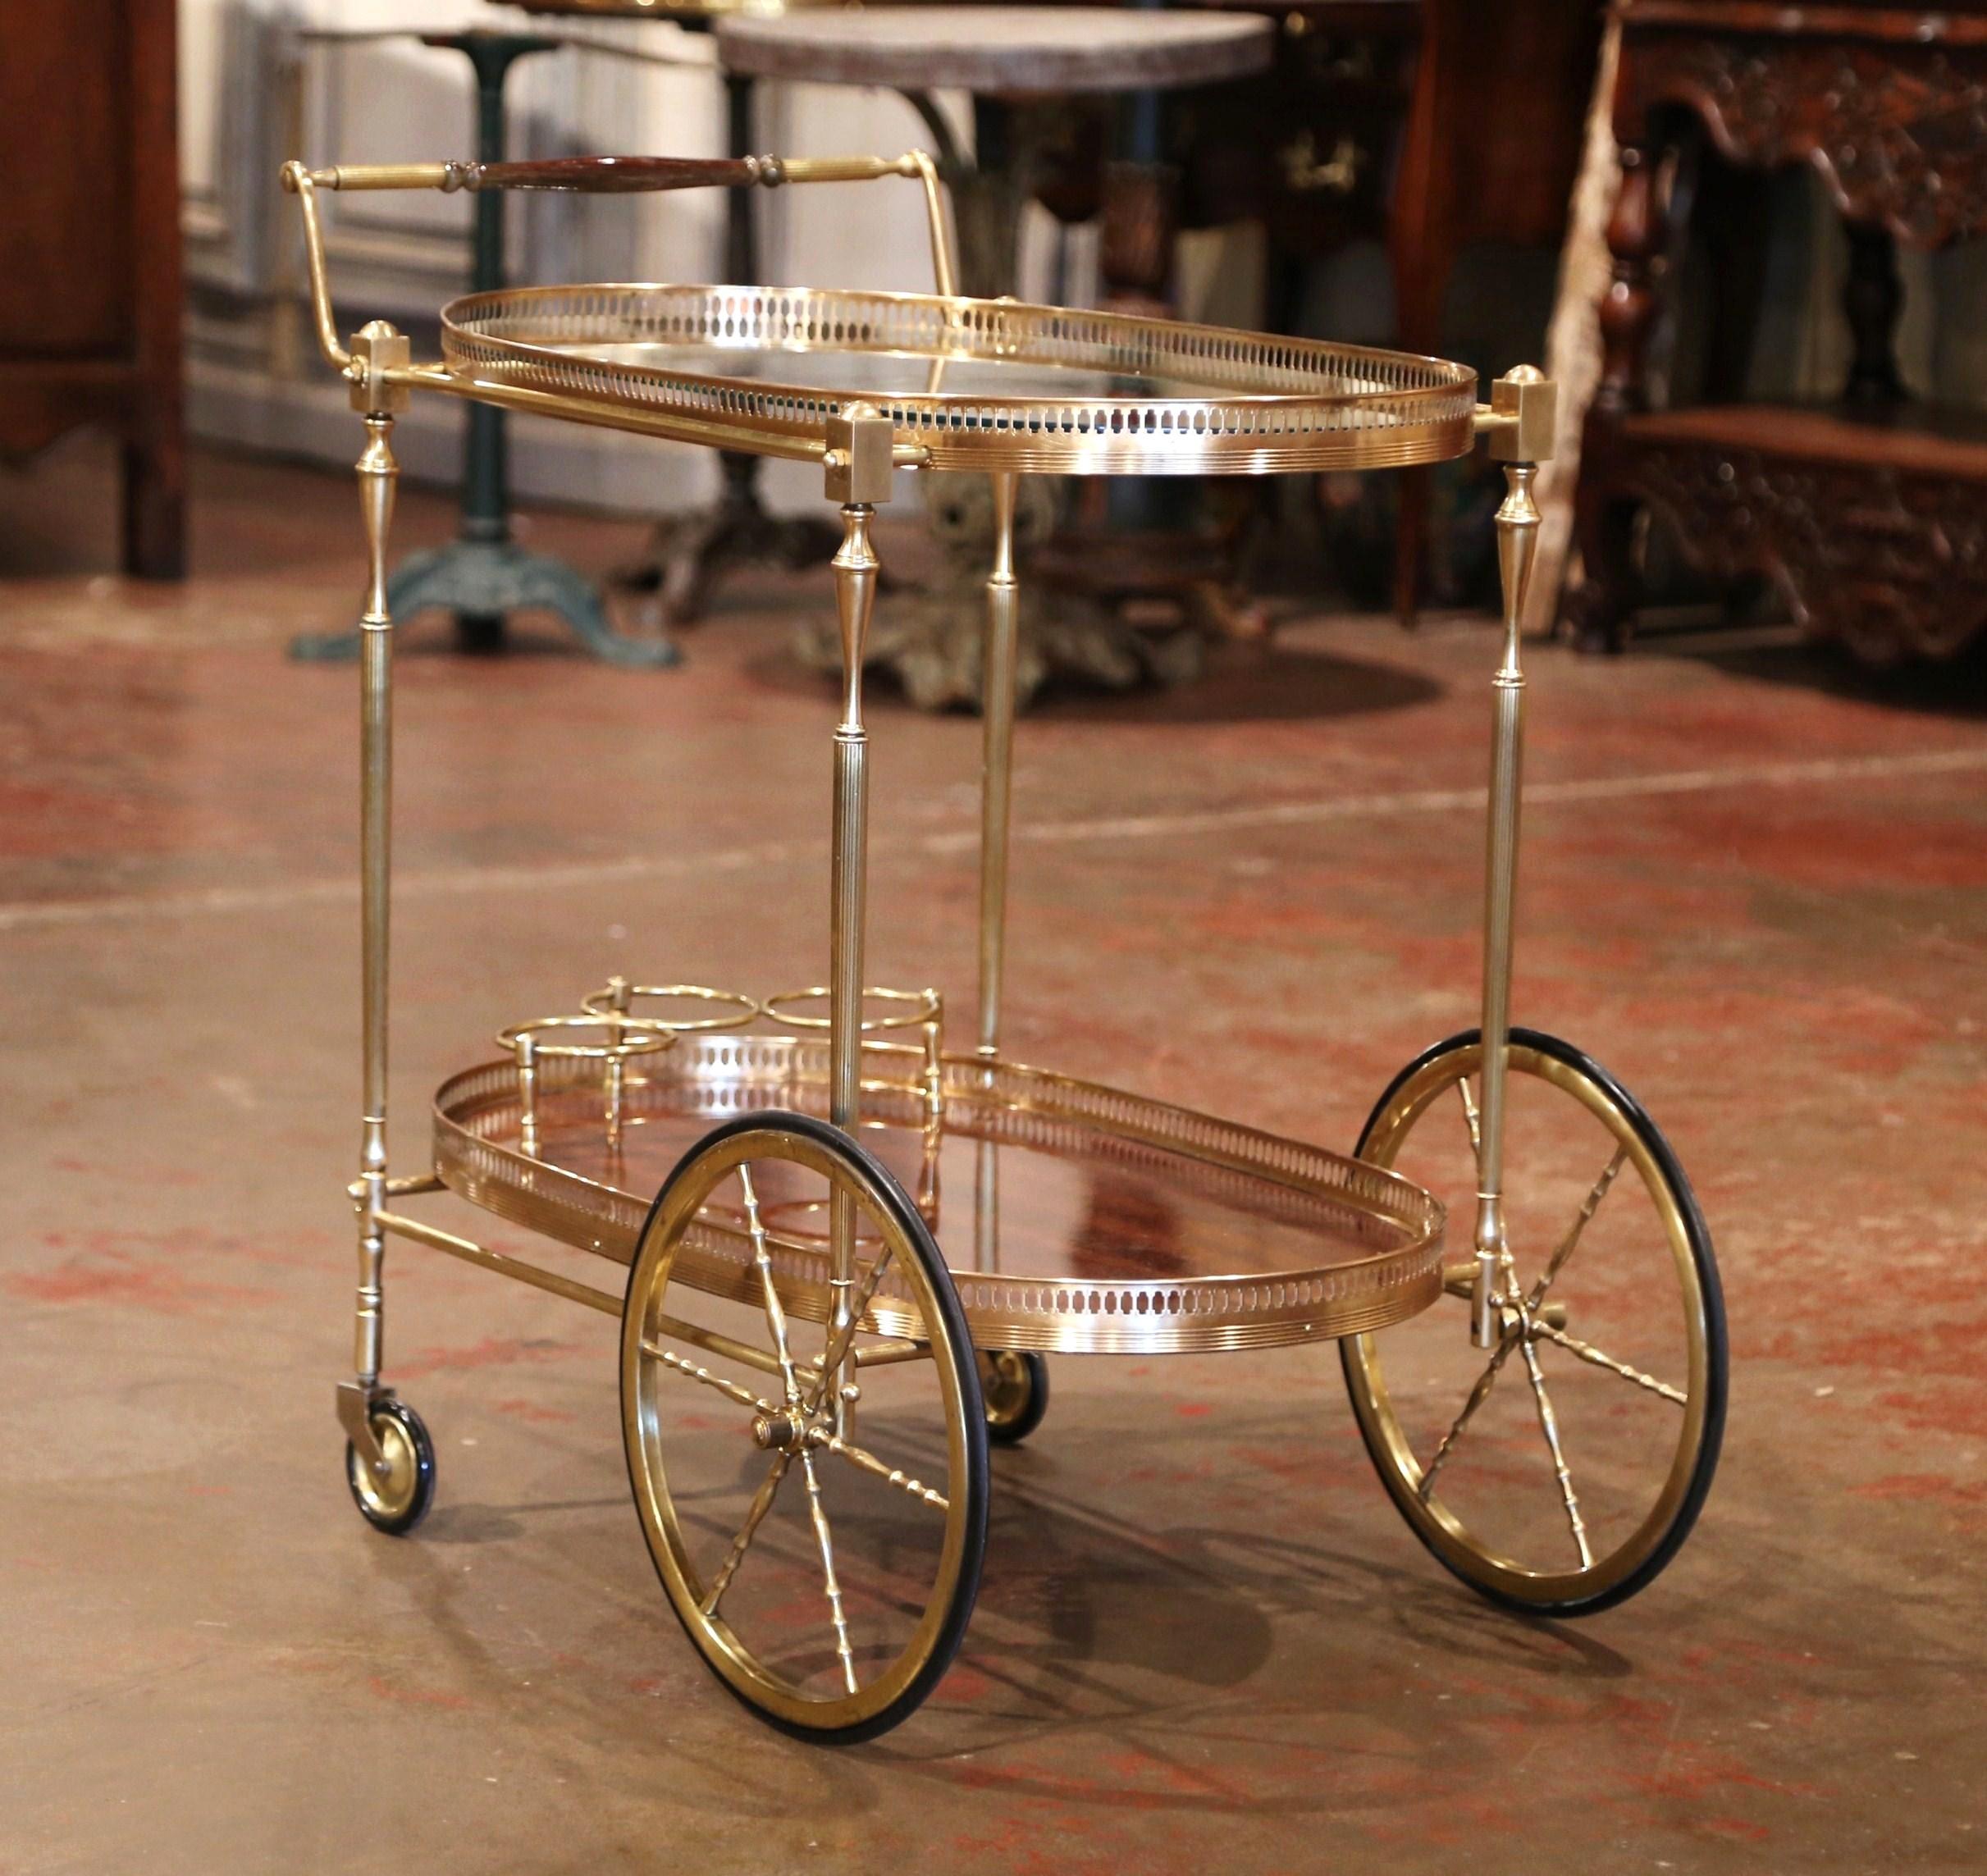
(1890, 563)
(1898, 132)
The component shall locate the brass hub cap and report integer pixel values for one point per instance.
(390, 1493)
(784, 1433)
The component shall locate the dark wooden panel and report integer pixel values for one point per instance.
(66, 254)
(1868, 516)
(90, 248)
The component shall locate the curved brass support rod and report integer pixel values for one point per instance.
(301, 183)
(945, 242)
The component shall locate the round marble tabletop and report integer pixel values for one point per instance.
(693, 13)
(997, 50)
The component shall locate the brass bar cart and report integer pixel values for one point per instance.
(809, 1386)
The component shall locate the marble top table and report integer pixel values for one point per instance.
(1007, 56)
(997, 51)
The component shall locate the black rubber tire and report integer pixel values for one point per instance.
(1717, 1350)
(1012, 1431)
(415, 1429)
(979, 1475)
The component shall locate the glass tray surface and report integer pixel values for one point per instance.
(1073, 1217)
(975, 385)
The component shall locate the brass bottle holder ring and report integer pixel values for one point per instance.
(914, 1008)
(627, 1036)
(909, 1009)
(613, 999)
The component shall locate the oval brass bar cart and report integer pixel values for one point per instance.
(809, 1385)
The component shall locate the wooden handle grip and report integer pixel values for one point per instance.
(616, 175)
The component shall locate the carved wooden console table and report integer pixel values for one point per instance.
(1869, 512)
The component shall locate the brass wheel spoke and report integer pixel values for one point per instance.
(837, 1346)
(1471, 1118)
(730, 1389)
(1588, 1352)
(868, 1461)
(1549, 1422)
(1477, 1396)
(762, 1502)
(833, 1587)
(775, 1314)
(1584, 1217)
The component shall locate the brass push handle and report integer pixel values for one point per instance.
(601, 175)
(618, 175)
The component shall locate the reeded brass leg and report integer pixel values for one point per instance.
(378, 477)
(997, 758)
(858, 476)
(996, 785)
(378, 347)
(1517, 545)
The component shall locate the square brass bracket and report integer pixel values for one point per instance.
(355, 1406)
(376, 349)
(858, 462)
(1531, 405)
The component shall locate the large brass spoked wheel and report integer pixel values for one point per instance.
(1559, 1472)
(815, 1502)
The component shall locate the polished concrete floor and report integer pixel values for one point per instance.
(1753, 885)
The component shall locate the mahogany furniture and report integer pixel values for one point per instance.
(90, 251)
(1429, 124)
(1868, 513)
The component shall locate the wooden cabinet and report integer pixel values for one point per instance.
(1869, 512)
(90, 250)
(1430, 123)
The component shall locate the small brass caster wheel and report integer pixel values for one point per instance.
(1016, 1387)
(396, 1500)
